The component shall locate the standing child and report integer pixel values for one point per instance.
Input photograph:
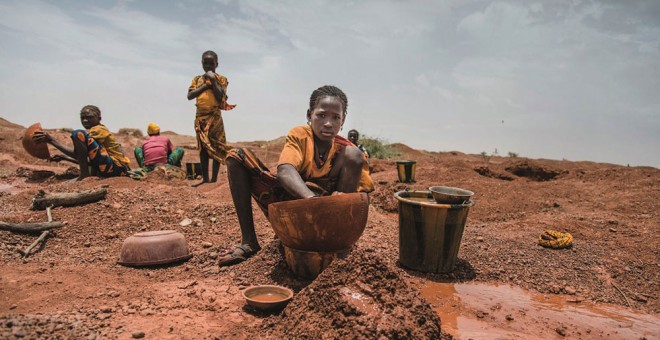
(315, 161)
(97, 149)
(210, 90)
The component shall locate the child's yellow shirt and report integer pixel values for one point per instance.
(299, 152)
(206, 101)
(102, 135)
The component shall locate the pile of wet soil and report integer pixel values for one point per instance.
(359, 297)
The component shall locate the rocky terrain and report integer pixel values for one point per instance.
(72, 287)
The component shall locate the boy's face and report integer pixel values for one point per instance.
(326, 118)
(89, 119)
(353, 137)
(209, 63)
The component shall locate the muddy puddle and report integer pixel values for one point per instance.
(485, 311)
(8, 188)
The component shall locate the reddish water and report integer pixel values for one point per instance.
(361, 302)
(483, 311)
(268, 297)
(7, 188)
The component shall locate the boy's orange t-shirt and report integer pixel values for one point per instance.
(299, 152)
(206, 101)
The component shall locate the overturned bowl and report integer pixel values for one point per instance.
(324, 224)
(450, 195)
(154, 248)
(267, 297)
(39, 150)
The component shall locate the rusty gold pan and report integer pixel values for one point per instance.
(324, 224)
(39, 150)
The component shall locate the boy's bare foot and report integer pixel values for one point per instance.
(198, 184)
(240, 254)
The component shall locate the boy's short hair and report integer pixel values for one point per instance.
(209, 52)
(328, 90)
(93, 108)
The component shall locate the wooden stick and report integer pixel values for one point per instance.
(29, 228)
(43, 200)
(624, 295)
(41, 237)
(27, 251)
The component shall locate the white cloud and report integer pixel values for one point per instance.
(427, 73)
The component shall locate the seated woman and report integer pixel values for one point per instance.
(315, 161)
(94, 148)
(157, 149)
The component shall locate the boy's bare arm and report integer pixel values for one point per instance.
(196, 92)
(44, 137)
(216, 87)
(291, 181)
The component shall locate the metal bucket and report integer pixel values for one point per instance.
(429, 233)
(406, 171)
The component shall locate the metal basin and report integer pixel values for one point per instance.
(39, 150)
(324, 224)
(450, 195)
(154, 248)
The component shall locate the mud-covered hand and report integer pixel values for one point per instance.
(42, 137)
(210, 76)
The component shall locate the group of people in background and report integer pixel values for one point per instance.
(98, 153)
(314, 162)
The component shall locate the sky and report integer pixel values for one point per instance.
(557, 79)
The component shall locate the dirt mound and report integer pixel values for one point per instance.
(488, 172)
(359, 297)
(7, 124)
(130, 132)
(534, 171)
(406, 152)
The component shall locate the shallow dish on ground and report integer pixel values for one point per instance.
(450, 195)
(154, 248)
(267, 297)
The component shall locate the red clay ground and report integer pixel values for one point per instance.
(72, 287)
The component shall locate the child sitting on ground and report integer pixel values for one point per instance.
(315, 161)
(210, 90)
(97, 149)
(157, 149)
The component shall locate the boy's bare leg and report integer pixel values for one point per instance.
(216, 169)
(80, 150)
(239, 184)
(204, 160)
(350, 169)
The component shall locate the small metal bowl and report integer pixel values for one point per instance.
(154, 248)
(450, 195)
(267, 297)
